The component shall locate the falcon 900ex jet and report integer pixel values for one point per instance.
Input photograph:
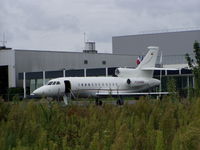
(128, 82)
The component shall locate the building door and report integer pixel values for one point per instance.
(67, 87)
(3, 80)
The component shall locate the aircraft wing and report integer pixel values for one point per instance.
(154, 68)
(131, 94)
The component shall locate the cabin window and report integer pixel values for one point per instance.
(88, 84)
(106, 84)
(104, 62)
(57, 83)
(54, 83)
(95, 84)
(50, 83)
(81, 84)
(109, 84)
(85, 84)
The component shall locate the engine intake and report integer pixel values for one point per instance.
(128, 81)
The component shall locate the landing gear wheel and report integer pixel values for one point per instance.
(120, 102)
(98, 102)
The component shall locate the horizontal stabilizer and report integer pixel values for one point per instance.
(131, 94)
(154, 68)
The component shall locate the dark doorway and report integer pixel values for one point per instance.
(3, 80)
(67, 87)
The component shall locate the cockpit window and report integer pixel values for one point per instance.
(57, 83)
(54, 83)
(50, 83)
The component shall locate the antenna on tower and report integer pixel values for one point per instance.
(3, 40)
(84, 34)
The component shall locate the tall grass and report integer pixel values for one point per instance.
(148, 124)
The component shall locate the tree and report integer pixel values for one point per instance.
(194, 64)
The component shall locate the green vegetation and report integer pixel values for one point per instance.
(148, 124)
(194, 64)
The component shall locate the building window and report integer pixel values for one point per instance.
(85, 61)
(104, 62)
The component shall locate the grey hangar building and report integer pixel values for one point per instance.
(31, 69)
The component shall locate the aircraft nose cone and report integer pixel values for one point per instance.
(38, 91)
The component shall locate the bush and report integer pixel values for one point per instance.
(148, 124)
(13, 92)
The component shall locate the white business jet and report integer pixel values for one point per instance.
(128, 82)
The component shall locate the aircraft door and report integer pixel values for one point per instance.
(67, 87)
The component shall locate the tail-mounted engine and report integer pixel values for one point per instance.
(135, 82)
(124, 72)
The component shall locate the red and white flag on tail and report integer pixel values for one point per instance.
(139, 59)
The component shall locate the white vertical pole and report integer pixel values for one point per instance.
(160, 82)
(106, 71)
(85, 72)
(24, 84)
(161, 57)
(43, 77)
(63, 73)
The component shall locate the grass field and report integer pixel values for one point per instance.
(148, 124)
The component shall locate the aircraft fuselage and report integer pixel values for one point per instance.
(91, 86)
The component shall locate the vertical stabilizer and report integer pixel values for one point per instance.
(149, 61)
(150, 58)
(144, 69)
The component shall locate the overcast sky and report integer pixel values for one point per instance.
(60, 24)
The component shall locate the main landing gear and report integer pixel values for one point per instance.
(120, 101)
(98, 102)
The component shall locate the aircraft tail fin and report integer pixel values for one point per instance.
(142, 70)
(149, 61)
(150, 58)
